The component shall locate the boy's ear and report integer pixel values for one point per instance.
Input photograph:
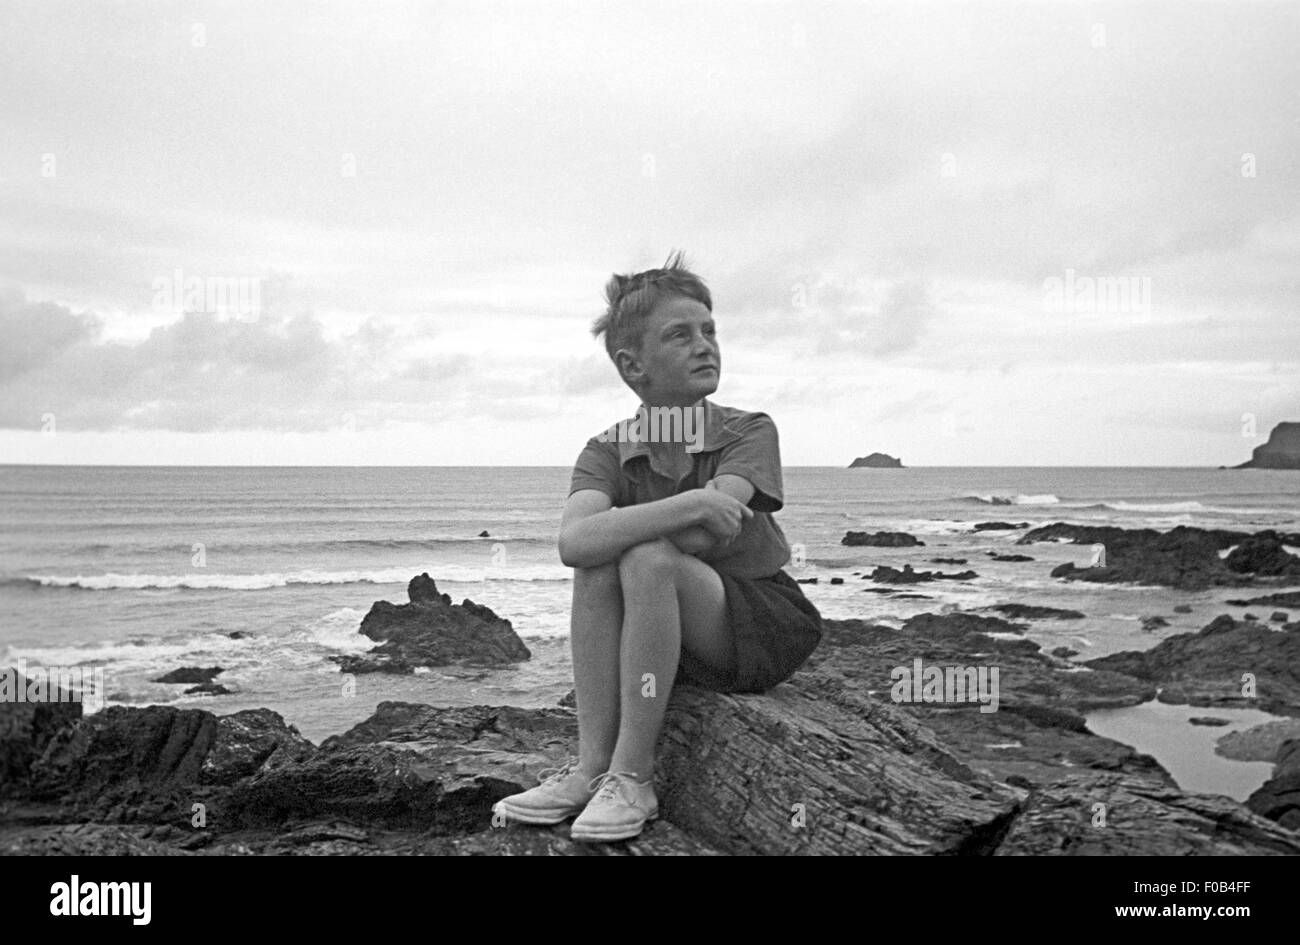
(629, 367)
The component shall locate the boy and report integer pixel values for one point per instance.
(677, 560)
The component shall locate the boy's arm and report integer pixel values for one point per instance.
(593, 533)
(697, 539)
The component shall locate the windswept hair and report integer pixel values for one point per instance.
(632, 298)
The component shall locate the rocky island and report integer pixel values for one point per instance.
(876, 461)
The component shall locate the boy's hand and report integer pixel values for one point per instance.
(720, 514)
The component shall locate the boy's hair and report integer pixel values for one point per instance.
(632, 298)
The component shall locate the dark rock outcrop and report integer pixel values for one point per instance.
(947, 560)
(26, 728)
(1282, 451)
(1184, 558)
(432, 631)
(876, 461)
(1262, 553)
(1284, 599)
(880, 539)
(1209, 668)
(1035, 612)
(884, 574)
(997, 557)
(1278, 798)
(999, 526)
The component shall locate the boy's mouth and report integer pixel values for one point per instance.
(706, 367)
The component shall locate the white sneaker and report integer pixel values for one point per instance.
(562, 793)
(620, 808)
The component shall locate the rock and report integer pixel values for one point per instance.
(1258, 743)
(1182, 608)
(1284, 599)
(1035, 612)
(1282, 451)
(876, 461)
(210, 688)
(484, 534)
(190, 674)
(1185, 558)
(872, 776)
(1064, 652)
(999, 526)
(1279, 797)
(27, 727)
(998, 557)
(880, 540)
(1279, 617)
(887, 575)
(837, 580)
(237, 634)
(431, 631)
(947, 560)
(1263, 554)
(1206, 668)
(1209, 720)
(569, 700)
(1154, 623)
(806, 580)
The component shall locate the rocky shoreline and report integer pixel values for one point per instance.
(844, 758)
(825, 763)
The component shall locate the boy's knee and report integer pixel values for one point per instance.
(656, 558)
(600, 577)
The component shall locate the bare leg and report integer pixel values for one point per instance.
(594, 640)
(670, 600)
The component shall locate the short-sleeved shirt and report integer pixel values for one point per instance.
(721, 441)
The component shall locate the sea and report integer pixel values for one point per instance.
(267, 572)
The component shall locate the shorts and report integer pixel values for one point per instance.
(773, 629)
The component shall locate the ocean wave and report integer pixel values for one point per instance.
(451, 574)
(1018, 499)
(1191, 506)
(339, 630)
(322, 544)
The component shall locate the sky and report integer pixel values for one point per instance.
(377, 233)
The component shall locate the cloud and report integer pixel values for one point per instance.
(33, 333)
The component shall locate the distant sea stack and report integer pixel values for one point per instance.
(881, 461)
(1282, 451)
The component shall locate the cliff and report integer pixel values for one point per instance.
(1282, 451)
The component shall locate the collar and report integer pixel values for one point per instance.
(717, 433)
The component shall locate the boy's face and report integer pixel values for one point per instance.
(679, 360)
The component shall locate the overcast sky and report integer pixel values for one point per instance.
(899, 211)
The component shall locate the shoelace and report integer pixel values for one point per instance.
(608, 784)
(550, 775)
